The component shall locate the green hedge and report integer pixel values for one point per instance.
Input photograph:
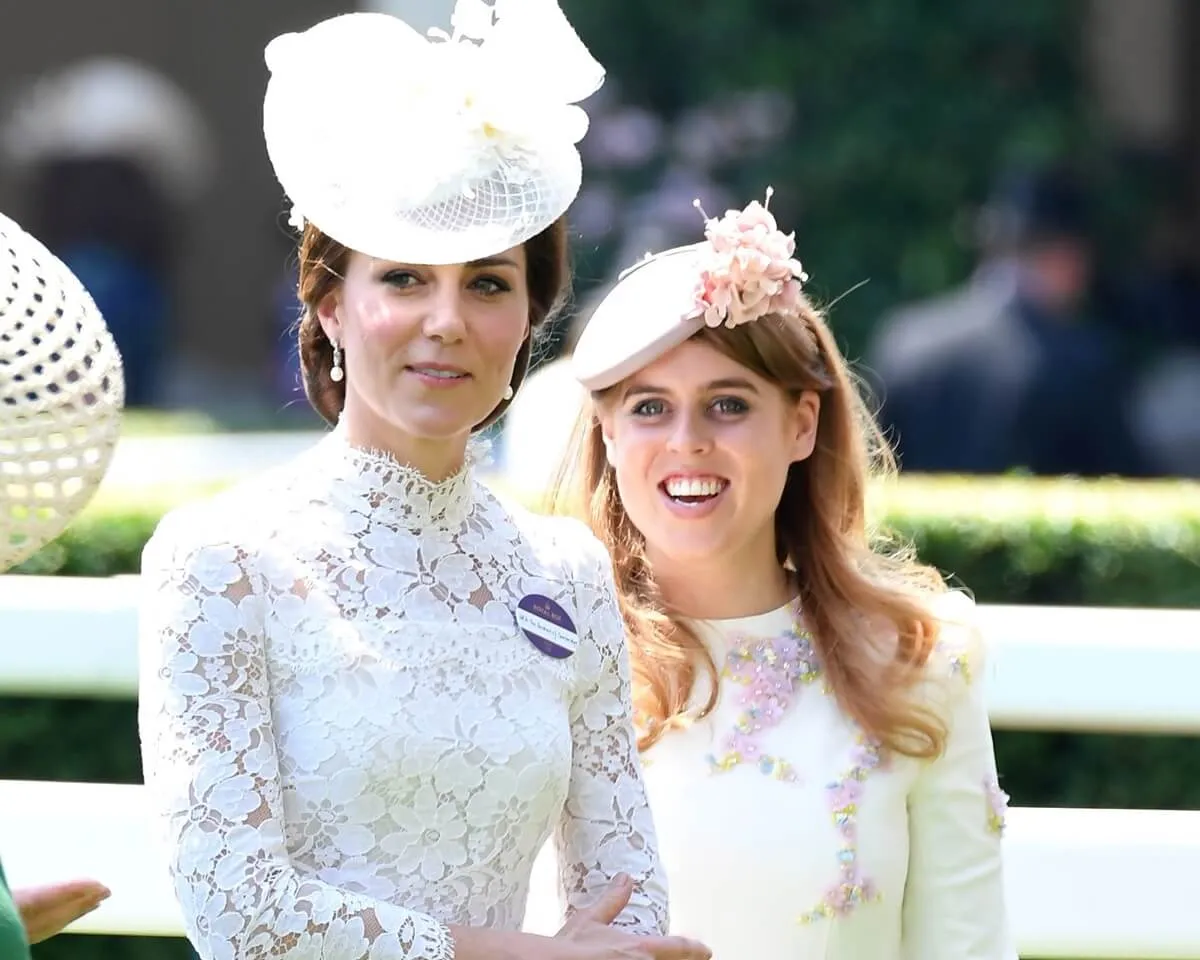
(1059, 542)
(1009, 541)
(1093, 543)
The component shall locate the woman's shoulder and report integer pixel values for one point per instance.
(958, 658)
(238, 518)
(959, 648)
(563, 542)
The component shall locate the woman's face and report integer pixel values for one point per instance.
(428, 351)
(701, 448)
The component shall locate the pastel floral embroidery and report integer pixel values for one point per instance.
(997, 802)
(750, 271)
(960, 665)
(845, 796)
(770, 672)
(952, 648)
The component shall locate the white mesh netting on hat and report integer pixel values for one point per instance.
(486, 215)
(61, 394)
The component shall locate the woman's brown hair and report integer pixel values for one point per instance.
(865, 603)
(323, 264)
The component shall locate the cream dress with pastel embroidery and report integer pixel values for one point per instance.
(816, 847)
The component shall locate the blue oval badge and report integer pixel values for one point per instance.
(547, 626)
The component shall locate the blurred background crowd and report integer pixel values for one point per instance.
(1000, 203)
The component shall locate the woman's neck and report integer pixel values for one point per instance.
(436, 459)
(723, 588)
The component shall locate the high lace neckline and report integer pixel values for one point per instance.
(397, 493)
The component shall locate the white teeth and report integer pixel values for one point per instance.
(694, 487)
(440, 374)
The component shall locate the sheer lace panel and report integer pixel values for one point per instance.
(349, 740)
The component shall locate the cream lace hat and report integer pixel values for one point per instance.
(442, 147)
(61, 394)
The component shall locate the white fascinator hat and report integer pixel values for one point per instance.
(61, 394)
(742, 271)
(443, 146)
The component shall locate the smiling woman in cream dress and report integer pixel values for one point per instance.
(817, 748)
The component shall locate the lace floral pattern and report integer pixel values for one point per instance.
(352, 744)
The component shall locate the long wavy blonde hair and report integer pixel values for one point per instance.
(865, 600)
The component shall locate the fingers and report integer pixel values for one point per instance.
(679, 948)
(67, 913)
(91, 897)
(605, 910)
(79, 897)
(67, 891)
(82, 890)
(46, 910)
(613, 900)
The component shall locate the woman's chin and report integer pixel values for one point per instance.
(437, 421)
(690, 541)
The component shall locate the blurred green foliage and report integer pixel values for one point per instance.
(904, 112)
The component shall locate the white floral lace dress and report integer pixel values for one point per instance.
(368, 700)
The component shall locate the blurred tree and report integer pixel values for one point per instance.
(898, 115)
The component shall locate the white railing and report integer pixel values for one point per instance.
(1080, 883)
(1101, 884)
(1051, 668)
(154, 462)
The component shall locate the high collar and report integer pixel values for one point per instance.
(395, 493)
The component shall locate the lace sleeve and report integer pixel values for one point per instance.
(212, 771)
(607, 827)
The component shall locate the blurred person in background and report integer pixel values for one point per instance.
(60, 402)
(111, 155)
(1162, 309)
(1009, 371)
(537, 428)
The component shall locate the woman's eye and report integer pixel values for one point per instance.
(400, 278)
(648, 408)
(490, 286)
(730, 406)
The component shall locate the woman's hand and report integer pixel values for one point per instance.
(592, 936)
(588, 935)
(45, 911)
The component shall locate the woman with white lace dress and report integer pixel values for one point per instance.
(817, 695)
(370, 690)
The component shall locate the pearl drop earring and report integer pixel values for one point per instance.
(508, 392)
(336, 373)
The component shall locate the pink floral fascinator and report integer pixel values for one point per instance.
(744, 269)
(750, 270)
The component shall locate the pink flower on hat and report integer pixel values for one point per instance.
(751, 271)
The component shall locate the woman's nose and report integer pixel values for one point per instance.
(444, 319)
(690, 434)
